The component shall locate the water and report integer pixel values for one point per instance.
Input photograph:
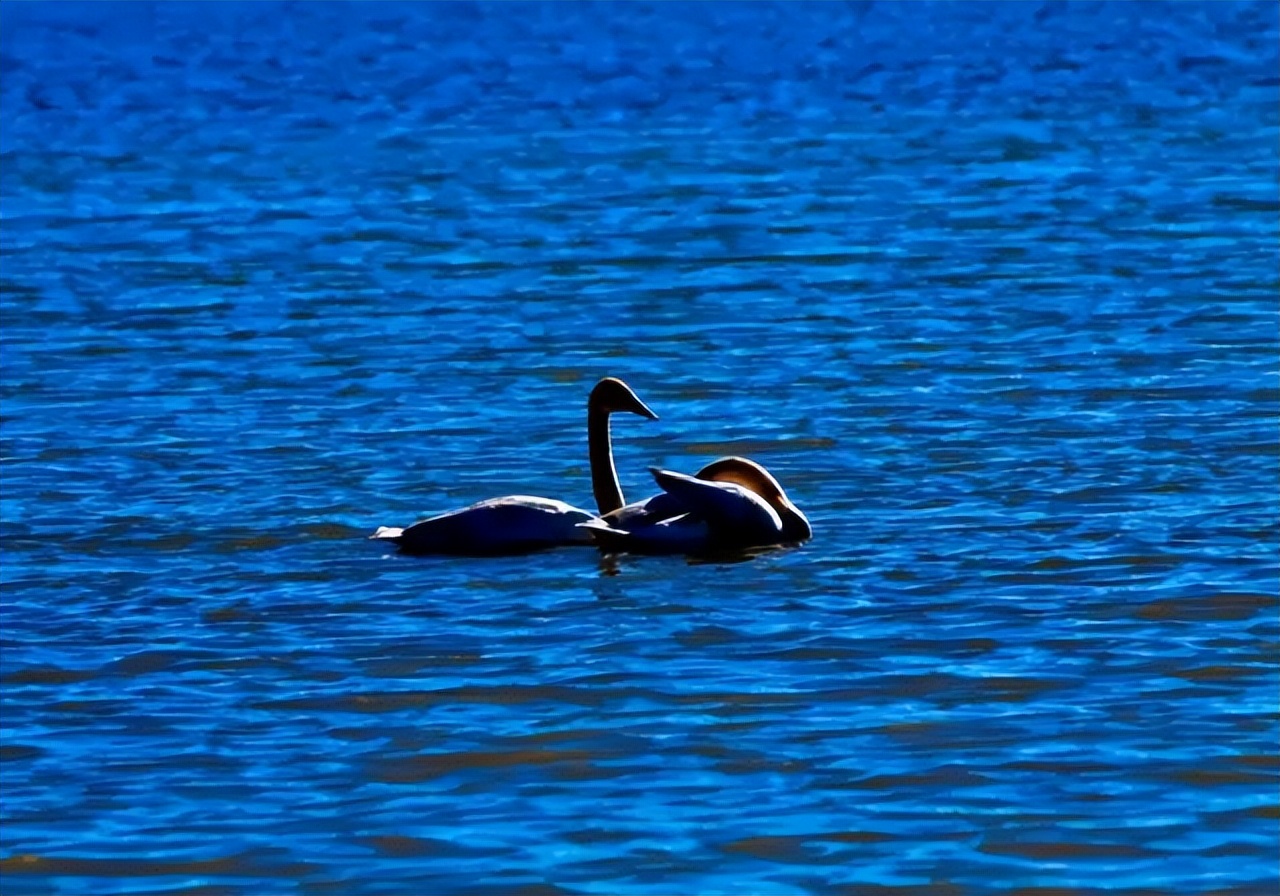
(992, 290)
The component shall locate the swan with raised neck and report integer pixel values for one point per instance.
(522, 523)
(608, 396)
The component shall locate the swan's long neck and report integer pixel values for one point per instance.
(604, 478)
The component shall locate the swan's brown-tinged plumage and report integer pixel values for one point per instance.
(751, 475)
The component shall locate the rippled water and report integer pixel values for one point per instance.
(991, 288)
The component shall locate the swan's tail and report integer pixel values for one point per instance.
(605, 536)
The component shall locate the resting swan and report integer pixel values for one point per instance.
(521, 523)
(732, 504)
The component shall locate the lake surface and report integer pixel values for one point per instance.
(991, 288)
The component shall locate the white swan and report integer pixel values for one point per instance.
(731, 504)
(521, 523)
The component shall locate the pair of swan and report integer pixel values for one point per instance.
(730, 504)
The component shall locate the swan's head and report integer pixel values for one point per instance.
(612, 394)
(750, 475)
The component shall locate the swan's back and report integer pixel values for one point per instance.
(754, 477)
(734, 513)
(510, 525)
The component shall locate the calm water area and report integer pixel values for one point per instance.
(991, 288)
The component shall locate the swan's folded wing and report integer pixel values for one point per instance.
(680, 535)
(728, 508)
(648, 512)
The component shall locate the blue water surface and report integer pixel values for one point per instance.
(992, 288)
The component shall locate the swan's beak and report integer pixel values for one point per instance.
(639, 407)
(795, 525)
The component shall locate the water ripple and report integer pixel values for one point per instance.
(996, 302)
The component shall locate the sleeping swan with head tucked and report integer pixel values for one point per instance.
(731, 504)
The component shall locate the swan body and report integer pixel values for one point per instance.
(521, 523)
(515, 524)
(731, 510)
(665, 506)
(731, 504)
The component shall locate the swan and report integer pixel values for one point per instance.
(521, 523)
(731, 504)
